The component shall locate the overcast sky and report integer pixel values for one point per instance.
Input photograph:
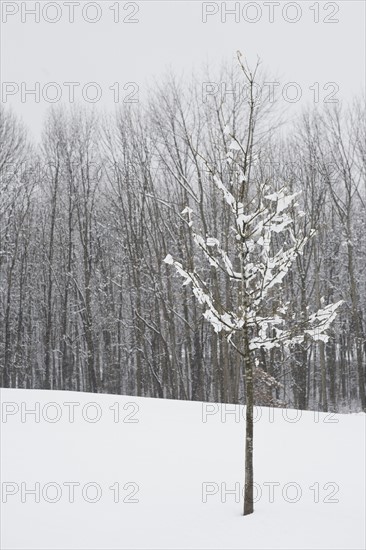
(305, 42)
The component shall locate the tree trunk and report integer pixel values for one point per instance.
(249, 399)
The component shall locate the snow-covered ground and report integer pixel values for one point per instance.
(114, 472)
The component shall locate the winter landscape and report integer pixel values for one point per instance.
(182, 276)
(160, 473)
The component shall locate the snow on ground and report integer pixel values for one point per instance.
(115, 472)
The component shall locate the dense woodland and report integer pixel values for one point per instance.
(88, 215)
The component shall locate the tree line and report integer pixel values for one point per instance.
(88, 215)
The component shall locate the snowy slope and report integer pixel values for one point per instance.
(169, 456)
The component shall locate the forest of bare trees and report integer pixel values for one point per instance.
(88, 216)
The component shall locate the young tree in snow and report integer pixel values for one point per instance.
(262, 249)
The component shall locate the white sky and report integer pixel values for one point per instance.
(171, 34)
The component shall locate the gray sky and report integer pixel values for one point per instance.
(172, 34)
